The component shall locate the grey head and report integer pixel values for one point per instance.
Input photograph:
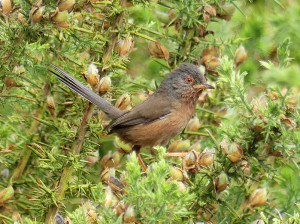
(187, 81)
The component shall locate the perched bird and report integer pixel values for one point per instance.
(156, 120)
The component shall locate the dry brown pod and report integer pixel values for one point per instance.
(221, 182)
(193, 124)
(9, 82)
(211, 50)
(124, 46)
(36, 13)
(51, 105)
(65, 4)
(92, 75)
(158, 50)
(258, 197)
(59, 18)
(5, 6)
(105, 84)
(180, 146)
(240, 55)
(123, 101)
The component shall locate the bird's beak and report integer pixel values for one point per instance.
(203, 86)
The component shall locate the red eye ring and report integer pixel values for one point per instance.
(189, 80)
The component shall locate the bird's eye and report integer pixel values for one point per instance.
(189, 80)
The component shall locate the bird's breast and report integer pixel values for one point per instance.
(159, 131)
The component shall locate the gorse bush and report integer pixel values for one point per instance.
(238, 156)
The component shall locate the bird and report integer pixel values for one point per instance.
(156, 120)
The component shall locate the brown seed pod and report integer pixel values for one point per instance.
(158, 50)
(193, 124)
(51, 105)
(92, 75)
(110, 198)
(59, 18)
(124, 46)
(9, 82)
(21, 18)
(235, 152)
(93, 158)
(65, 4)
(180, 145)
(245, 167)
(129, 216)
(211, 50)
(221, 182)
(208, 12)
(206, 158)
(211, 63)
(36, 13)
(5, 5)
(177, 173)
(105, 84)
(123, 101)
(6, 194)
(240, 55)
(258, 197)
(225, 11)
(190, 160)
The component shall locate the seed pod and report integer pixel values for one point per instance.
(176, 173)
(59, 18)
(125, 148)
(235, 152)
(5, 5)
(240, 55)
(210, 61)
(93, 158)
(245, 167)
(110, 199)
(190, 160)
(21, 18)
(115, 184)
(207, 157)
(123, 101)
(273, 95)
(158, 50)
(196, 146)
(51, 105)
(37, 12)
(65, 4)
(92, 75)
(181, 186)
(221, 182)
(208, 11)
(105, 84)
(180, 146)
(106, 174)
(211, 50)
(6, 194)
(163, 17)
(124, 46)
(226, 11)
(129, 216)
(193, 125)
(111, 160)
(258, 197)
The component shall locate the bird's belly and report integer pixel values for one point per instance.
(157, 132)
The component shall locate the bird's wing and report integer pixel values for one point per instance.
(153, 108)
(87, 93)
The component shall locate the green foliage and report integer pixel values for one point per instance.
(247, 141)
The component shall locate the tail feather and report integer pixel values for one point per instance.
(87, 93)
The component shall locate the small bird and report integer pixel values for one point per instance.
(156, 120)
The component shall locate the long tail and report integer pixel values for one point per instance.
(87, 93)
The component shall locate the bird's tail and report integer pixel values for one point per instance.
(87, 93)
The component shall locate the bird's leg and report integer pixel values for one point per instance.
(137, 148)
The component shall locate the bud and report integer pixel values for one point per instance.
(21, 18)
(111, 160)
(181, 186)
(240, 55)
(92, 75)
(234, 152)
(129, 216)
(245, 167)
(211, 63)
(176, 173)
(93, 158)
(258, 197)
(123, 101)
(208, 11)
(51, 105)
(221, 182)
(125, 148)
(158, 50)
(180, 146)
(59, 18)
(190, 160)
(6, 194)
(124, 46)
(193, 125)
(37, 12)
(226, 11)
(211, 50)
(105, 84)
(5, 5)
(207, 157)
(65, 4)
(110, 199)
